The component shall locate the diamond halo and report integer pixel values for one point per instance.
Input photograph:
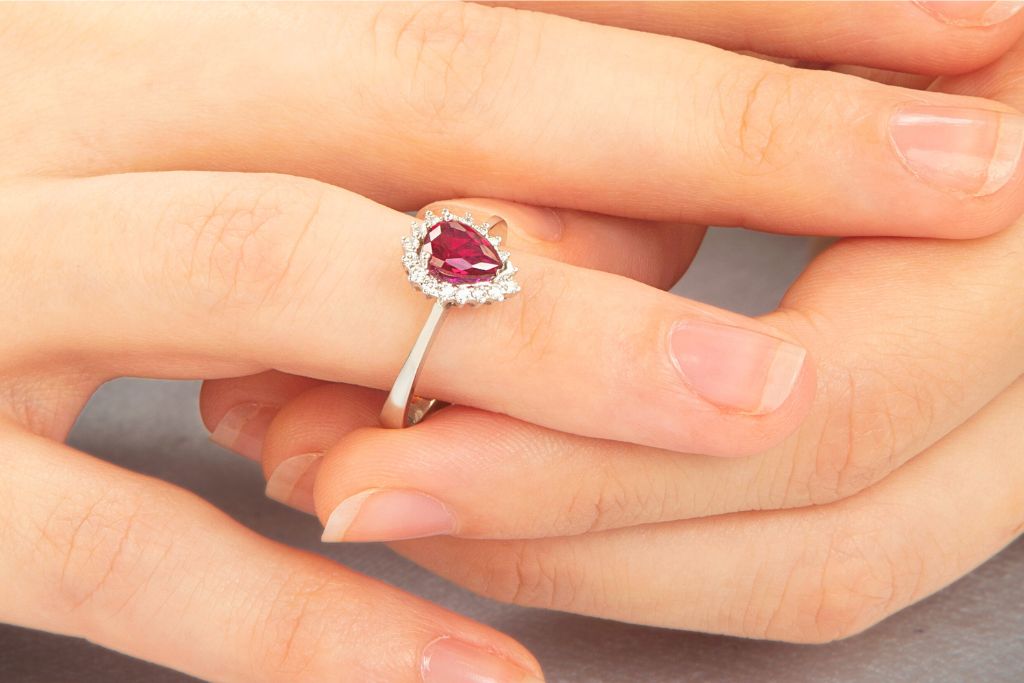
(416, 259)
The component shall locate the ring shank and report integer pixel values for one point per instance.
(402, 407)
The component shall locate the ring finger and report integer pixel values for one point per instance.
(240, 273)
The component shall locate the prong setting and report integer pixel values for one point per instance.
(416, 256)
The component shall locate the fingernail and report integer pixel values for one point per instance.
(388, 515)
(975, 151)
(243, 427)
(447, 660)
(971, 13)
(542, 224)
(735, 368)
(292, 482)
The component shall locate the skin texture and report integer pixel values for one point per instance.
(902, 477)
(216, 191)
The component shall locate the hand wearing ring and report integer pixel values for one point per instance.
(456, 262)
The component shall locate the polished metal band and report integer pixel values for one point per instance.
(402, 407)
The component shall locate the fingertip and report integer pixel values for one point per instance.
(311, 423)
(219, 396)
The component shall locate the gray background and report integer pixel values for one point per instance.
(972, 631)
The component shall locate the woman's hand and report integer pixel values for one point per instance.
(134, 244)
(905, 475)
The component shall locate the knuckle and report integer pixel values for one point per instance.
(238, 247)
(526, 574)
(757, 113)
(609, 500)
(100, 549)
(872, 419)
(448, 59)
(296, 629)
(853, 579)
(537, 312)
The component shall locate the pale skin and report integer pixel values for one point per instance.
(217, 191)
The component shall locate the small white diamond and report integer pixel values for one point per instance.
(495, 239)
(447, 290)
(417, 274)
(430, 287)
(468, 218)
(446, 215)
(462, 296)
(509, 287)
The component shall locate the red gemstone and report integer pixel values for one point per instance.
(459, 254)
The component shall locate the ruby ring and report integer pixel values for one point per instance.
(455, 262)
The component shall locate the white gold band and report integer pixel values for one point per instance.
(403, 408)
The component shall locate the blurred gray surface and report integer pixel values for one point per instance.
(970, 632)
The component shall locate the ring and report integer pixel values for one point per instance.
(455, 262)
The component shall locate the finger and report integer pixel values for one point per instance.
(920, 37)
(238, 410)
(937, 336)
(715, 138)
(885, 394)
(237, 274)
(144, 568)
(304, 430)
(808, 575)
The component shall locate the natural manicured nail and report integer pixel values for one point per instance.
(447, 660)
(542, 224)
(975, 151)
(243, 427)
(735, 368)
(292, 482)
(388, 515)
(972, 12)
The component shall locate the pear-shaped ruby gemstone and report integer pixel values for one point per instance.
(459, 254)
